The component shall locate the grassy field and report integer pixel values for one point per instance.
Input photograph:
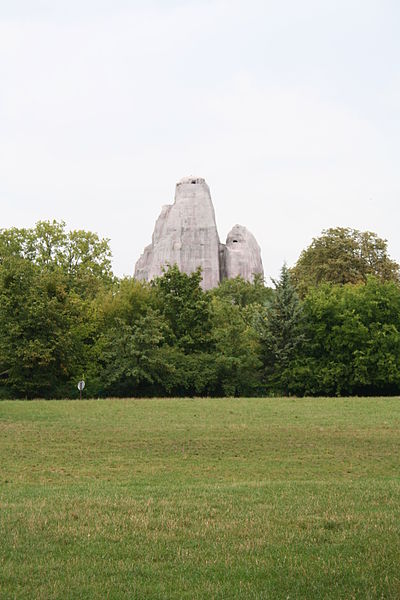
(233, 498)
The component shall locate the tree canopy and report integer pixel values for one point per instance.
(81, 256)
(342, 255)
(329, 326)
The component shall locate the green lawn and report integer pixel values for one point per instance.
(200, 498)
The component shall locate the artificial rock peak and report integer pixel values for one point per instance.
(186, 234)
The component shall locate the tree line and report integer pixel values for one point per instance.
(328, 326)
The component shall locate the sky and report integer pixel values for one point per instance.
(290, 110)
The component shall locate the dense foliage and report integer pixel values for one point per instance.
(343, 255)
(64, 316)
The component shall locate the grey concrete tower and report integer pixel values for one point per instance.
(185, 234)
(242, 254)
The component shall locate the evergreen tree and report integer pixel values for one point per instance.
(281, 333)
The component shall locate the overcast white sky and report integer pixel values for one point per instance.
(289, 109)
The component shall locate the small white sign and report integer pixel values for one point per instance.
(81, 385)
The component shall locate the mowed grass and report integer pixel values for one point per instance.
(200, 498)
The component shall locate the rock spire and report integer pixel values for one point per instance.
(186, 234)
(242, 254)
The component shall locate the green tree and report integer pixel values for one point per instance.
(81, 255)
(130, 360)
(126, 357)
(353, 340)
(243, 293)
(186, 308)
(343, 255)
(49, 279)
(189, 374)
(41, 346)
(237, 350)
(281, 333)
(128, 299)
(189, 344)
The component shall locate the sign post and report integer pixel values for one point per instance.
(81, 385)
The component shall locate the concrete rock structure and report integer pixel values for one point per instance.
(242, 254)
(186, 234)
